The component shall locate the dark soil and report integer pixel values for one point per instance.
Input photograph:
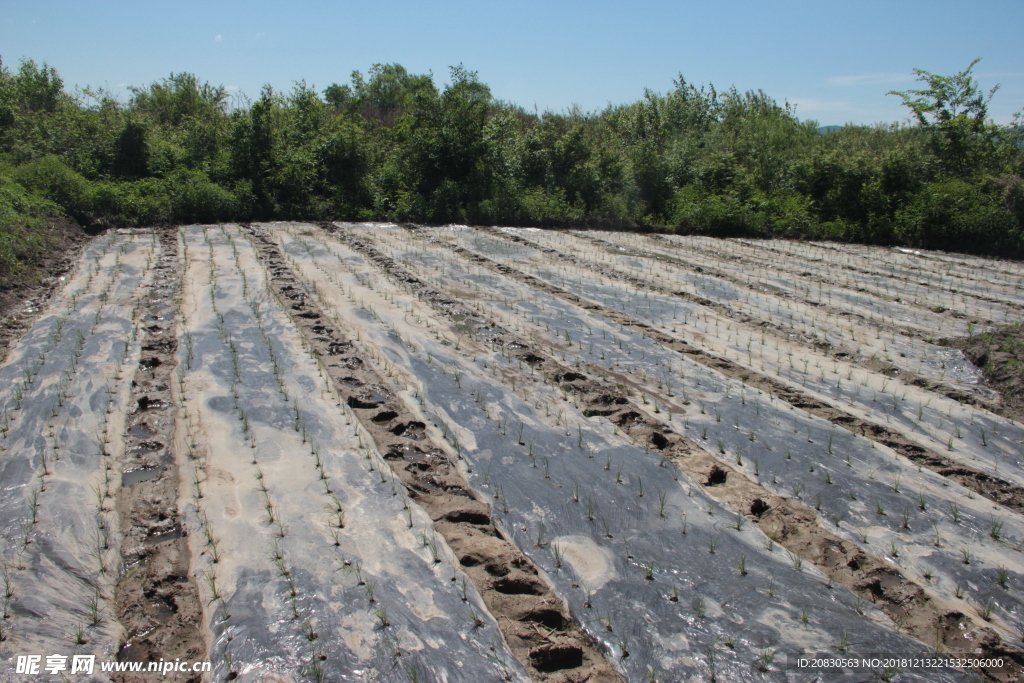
(1000, 355)
(24, 294)
(157, 598)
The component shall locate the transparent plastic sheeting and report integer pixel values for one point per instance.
(788, 451)
(789, 443)
(936, 363)
(886, 294)
(985, 440)
(614, 538)
(58, 389)
(856, 301)
(939, 363)
(255, 629)
(997, 281)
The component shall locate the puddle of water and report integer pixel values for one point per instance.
(140, 431)
(416, 431)
(373, 396)
(163, 612)
(166, 536)
(366, 401)
(141, 474)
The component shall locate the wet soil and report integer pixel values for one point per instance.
(1000, 355)
(157, 600)
(553, 648)
(791, 524)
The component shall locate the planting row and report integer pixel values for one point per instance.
(365, 452)
(994, 525)
(64, 396)
(567, 477)
(842, 320)
(313, 561)
(865, 399)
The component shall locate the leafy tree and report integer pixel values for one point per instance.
(955, 110)
(131, 156)
(393, 146)
(181, 96)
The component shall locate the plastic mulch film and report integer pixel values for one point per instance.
(64, 392)
(672, 584)
(306, 583)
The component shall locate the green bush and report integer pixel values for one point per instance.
(139, 202)
(51, 178)
(22, 226)
(194, 199)
(956, 215)
(544, 207)
(395, 147)
(696, 210)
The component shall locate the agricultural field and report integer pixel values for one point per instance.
(369, 452)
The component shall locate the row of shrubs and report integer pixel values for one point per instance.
(394, 146)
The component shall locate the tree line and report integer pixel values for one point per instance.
(391, 145)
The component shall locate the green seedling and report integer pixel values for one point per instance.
(798, 562)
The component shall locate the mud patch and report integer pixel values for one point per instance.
(1000, 356)
(157, 602)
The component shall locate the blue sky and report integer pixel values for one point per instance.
(835, 60)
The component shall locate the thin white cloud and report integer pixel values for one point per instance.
(836, 111)
(999, 74)
(260, 34)
(870, 79)
(218, 38)
(231, 87)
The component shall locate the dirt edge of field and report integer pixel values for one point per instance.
(24, 295)
(999, 354)
(533, 619)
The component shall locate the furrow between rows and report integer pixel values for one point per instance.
(511, 586)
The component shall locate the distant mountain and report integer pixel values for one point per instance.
(828, 129)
